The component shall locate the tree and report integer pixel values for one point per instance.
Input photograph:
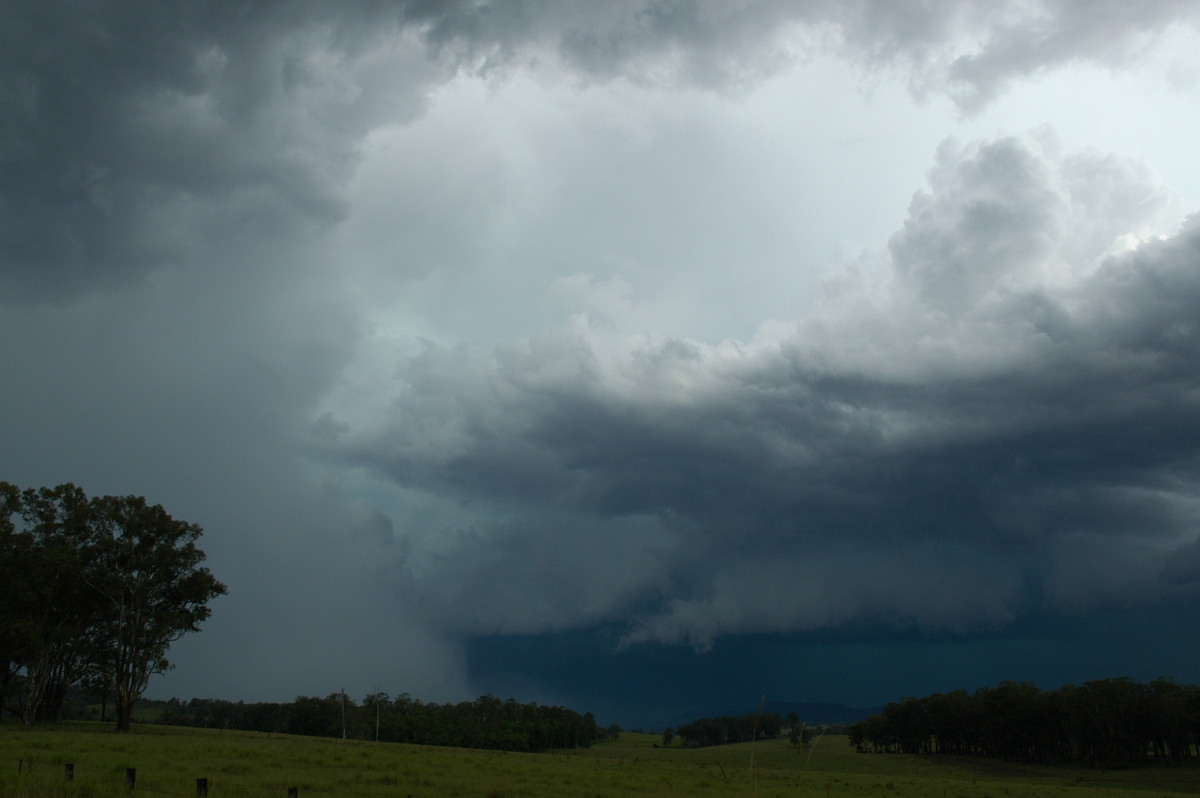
(148, 571)
(49, 612)
(12, 577)
(318, 717)
(668, 736)
(95, 590)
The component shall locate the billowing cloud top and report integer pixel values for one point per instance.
(490, 318)
(996, 419)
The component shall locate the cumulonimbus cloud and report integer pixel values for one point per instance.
(1000, 402)
(1011, 418)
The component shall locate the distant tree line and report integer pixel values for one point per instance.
(93, 590)
(729, 729)
(486, 722)
(1106, 723)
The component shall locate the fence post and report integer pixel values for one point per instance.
(202, 788)
(70, 771)
(130, 778)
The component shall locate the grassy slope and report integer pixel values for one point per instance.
(168, 761)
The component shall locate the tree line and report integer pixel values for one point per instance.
(729, 729)
(93, 590)
(487, 722)
(1105, 723)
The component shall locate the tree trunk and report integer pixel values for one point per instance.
(125, 697)
(123, 708)
(37, 685)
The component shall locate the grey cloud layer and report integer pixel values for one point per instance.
(134, 130)
(969, 50)
(137, 132)
(1001, 406)
(1010, 425)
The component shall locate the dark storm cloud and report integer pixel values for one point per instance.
(124, 122)
(1002, 432)
(135, 132)
(996, 422)
(167, 315)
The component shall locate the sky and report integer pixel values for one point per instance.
(646, 357)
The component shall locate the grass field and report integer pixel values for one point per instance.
(169, 761)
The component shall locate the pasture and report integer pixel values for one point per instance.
(169, 760)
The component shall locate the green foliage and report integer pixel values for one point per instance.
(1104, 723)
(47, 609)
(485, 723)
(95, 591)
(147, 569)
(730, 729)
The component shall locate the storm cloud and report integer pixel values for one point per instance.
(133, 130)
(616, 328)
(1006, 427)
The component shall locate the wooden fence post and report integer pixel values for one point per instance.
(130, 778)
(202, 788)
(70, 771)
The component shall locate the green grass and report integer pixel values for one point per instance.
(237, 764)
